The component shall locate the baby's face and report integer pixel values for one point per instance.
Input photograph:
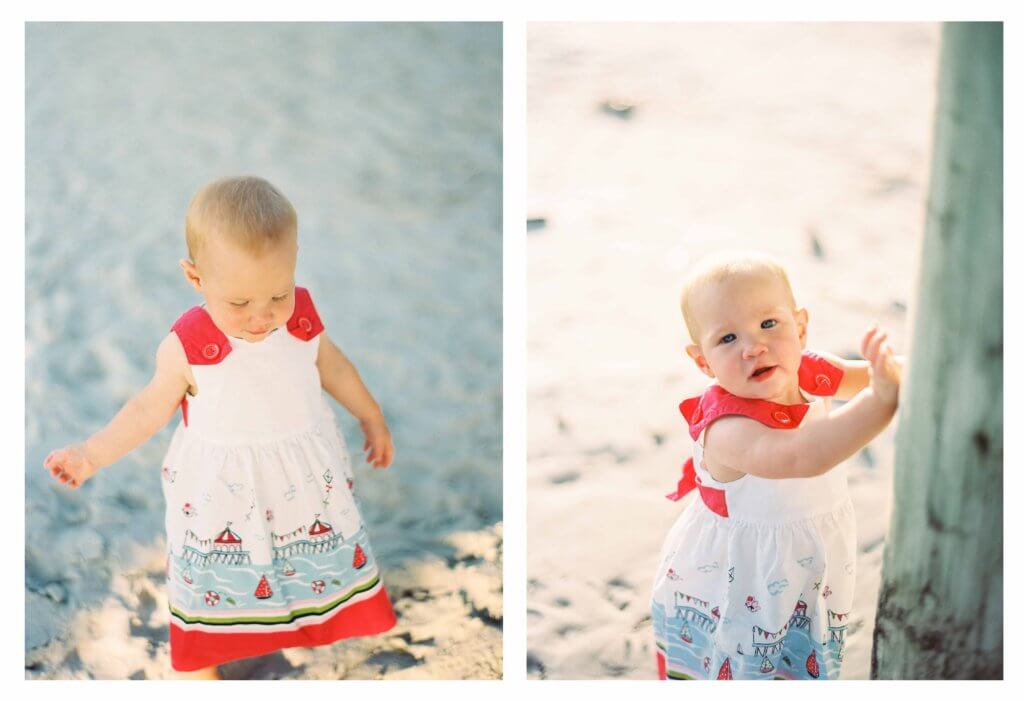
(751, 338)
(247, 295)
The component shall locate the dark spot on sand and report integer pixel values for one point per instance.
(536, 224)
(392, 659)
(617, 108)
(817, 250)
(620, 582)
(535, 666)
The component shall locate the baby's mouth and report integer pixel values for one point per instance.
(763, 373)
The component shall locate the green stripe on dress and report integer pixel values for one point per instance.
(279, 619)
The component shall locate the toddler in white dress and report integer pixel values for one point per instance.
(266, 547)
(756, 576)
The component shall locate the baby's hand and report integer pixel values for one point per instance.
(70, 465)
(885, 371)
(378, 442)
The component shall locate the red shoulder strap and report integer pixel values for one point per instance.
(305, 323)
(204, 343)
(716, 402)
(818, 376)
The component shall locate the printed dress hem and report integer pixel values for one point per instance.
(197, 646)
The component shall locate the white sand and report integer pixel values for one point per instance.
(387, 139)
(741, 135)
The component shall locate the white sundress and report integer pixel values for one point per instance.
(266, 547)
(764, 592)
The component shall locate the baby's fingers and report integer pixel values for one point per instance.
(872, 349)
(56, 458)
(866, 341)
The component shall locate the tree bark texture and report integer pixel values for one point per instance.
(940, 607)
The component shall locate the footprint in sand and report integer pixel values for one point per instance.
(619, 592)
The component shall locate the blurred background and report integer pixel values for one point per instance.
(387, 139)
(651, 145)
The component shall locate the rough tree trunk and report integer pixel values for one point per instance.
(940, 608)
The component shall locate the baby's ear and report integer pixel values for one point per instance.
(693, 351)
(191, 274)
(801, 324)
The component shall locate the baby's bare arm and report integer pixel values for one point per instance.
(341, 380)
(744, 445)
(145, 413)
(812, 449)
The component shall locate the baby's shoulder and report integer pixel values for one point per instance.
(171, 360)
(737, 430)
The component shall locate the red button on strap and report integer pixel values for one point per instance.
(782, 417)
(211, 351)
(305, 324)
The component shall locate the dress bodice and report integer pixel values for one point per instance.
(253, 392)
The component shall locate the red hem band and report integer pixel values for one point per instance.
(197, 649)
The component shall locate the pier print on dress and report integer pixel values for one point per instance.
(689, 633)
(219, 572)
(697, 611)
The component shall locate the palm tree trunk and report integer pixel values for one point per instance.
(940, 608)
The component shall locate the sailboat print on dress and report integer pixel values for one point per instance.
(359, 558)
(263, 590)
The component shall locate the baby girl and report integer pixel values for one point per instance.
(756, 576)
(266, 548)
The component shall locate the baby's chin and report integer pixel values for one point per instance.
(771, 390)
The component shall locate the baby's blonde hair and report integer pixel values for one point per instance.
(724, 264)
(247, 209)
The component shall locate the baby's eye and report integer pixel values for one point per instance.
(281, 298)
(239, 304)
(727, 338)
(768, 323)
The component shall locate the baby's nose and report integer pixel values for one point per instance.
(754, 350)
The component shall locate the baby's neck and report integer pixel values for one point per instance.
(791, 395)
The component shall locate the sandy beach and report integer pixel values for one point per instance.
(650, 146)
(387, 139)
